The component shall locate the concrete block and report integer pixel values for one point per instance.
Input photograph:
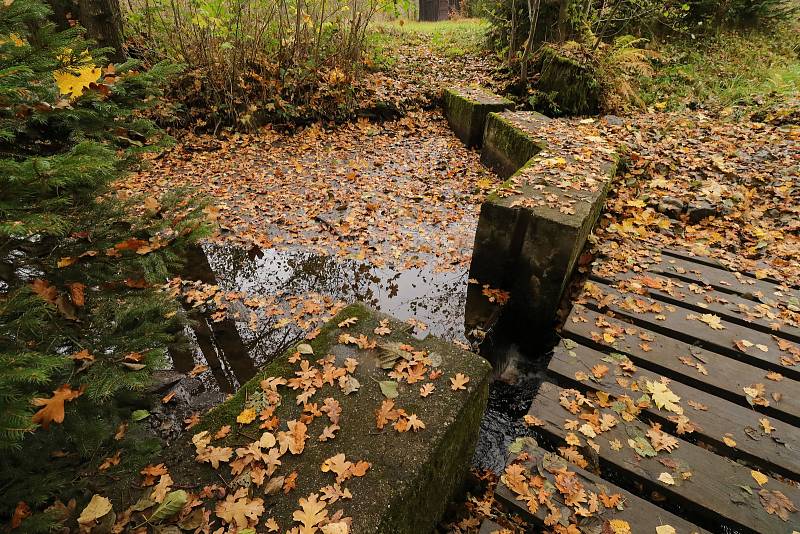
(466, 109)
(532, 230)
(511, 139)
(413, 475)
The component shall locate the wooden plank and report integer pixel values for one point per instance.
(712, 497)
(778, 451)
(713, 262)
(729, 306)
(641, 515)
(717, 374)
(489, 527)
(723, 280)
(685, 324)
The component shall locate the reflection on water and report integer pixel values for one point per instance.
(235, 348)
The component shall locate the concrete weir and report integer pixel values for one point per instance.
(533, 227)
(412, 475)
(466, 109)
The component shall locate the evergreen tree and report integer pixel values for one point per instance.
(82, 319)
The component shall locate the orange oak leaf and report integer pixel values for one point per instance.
(53, 408)
(290, 482)
(239, 510)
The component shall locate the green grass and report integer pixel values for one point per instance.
(451, 38)
(733, 69)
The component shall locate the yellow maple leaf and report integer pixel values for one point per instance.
(247, 416)
(74, 81)
(664, 398)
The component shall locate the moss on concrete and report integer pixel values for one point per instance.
(506, 147)
(413, 475)
(569, 85)
(466, 109)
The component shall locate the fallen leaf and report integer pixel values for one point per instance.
(312, 512)
(666, 478)
(98, 507)
(776, 503)
(458, 382)
(21, 512)
(664, 398)
(388, 388)
(759, 477)
(247, 416)
(239, 510)
(53, 408)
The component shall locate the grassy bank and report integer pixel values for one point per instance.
(732, 69)
(451, 38)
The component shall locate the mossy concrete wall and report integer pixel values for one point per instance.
(466, 109)
(531, 231)
(413, 474)
(506, 147)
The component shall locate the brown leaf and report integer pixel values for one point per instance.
(21, 512)
(76, 293)
(47, 292)
(775, 502)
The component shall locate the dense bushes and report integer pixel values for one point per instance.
(598, 44)
(251, 59)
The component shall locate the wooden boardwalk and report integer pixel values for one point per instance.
(677, 389)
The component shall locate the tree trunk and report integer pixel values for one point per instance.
(103, 22)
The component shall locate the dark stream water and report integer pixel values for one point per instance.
(234, 349)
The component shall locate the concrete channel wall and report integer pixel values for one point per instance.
(533, 228)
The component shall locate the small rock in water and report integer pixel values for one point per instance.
(164, 379)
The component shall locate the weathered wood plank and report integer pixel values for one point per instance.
(778, 451)
(712, 496)
(682, 323)
(489, 527)
(731, 307)
(641, 515)
(713, 262)
(678, 360)
(723, 280)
